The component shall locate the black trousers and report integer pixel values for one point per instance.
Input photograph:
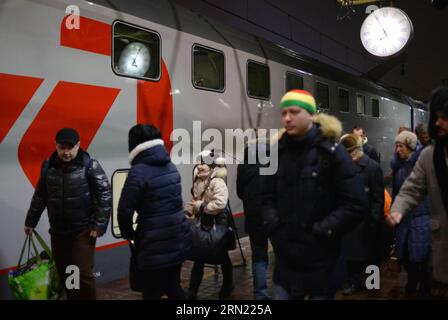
(77, 250)
(198, 271)
(155, 283)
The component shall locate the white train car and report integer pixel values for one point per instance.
(128, 62)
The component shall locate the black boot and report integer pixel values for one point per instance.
(227, 275)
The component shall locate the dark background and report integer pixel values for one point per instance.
(312, 28)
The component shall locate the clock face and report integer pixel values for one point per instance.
(386, 32)
(134, 60)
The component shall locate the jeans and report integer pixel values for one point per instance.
(162, 281)
(281, 293)
(260, 261)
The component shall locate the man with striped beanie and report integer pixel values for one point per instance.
(313, 199)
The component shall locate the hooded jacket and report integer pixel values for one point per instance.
(315, 197)
(210, 192)
(153, 190)
(76, 200)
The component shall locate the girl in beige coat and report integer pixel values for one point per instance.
(209, 202)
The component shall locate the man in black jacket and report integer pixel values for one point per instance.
(76, 192)
(248, 190)
(314, 198)
(362, 246)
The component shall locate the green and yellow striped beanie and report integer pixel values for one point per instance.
(299, 98)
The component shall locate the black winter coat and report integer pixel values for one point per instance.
(249, 191)
(371, 152)
(76, 199)
(153, 189)
(318, 197)
(364, 243)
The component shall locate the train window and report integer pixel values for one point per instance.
(360, 104)
(208, 68)
(343, 100)
(375, 108)
(135, 52)
(118, 179)
(322, 95)
(293, 81)
(258, 82)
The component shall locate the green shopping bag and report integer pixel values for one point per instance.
(37, 279)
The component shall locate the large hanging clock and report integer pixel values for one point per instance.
(386, 32)
(134, 60)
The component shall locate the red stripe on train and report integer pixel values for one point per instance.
(155, 105)
(75, 105)
(92, 35)
(16, 92)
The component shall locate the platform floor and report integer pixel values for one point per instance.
(392, 283)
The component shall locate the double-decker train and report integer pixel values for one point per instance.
(101, 67)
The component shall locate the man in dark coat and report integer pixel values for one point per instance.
(367, 148)
(313, 199)
(162, 238)
(248, 190)
(76, 192)
(362, 246)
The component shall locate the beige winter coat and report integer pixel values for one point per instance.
(420, 182)
(211, 190)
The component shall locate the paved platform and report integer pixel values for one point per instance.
(392, 282)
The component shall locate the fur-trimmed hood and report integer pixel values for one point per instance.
(330, 126)
(216, 172)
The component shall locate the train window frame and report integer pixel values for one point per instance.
(296, 75)
(315, 94)
(363, 113)
(115, 228)
(247, 80)
(153, 32)
(193, 63)
(348, 92)
(371, 102)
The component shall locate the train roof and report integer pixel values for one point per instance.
(177, 17)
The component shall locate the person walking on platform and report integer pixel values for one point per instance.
(362, 246)
(421, 131)
(311, 202)
(248, 190)
(413, 234)
(367, 148)
(76, 192)
(430, 177)
(162, 237)
(210, 197)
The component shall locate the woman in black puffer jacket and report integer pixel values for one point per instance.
(162, 238)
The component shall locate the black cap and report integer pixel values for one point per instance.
(67, 135)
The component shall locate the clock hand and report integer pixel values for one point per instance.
(135, 58)
(385, 33)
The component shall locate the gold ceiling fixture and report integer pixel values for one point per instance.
(356, 2)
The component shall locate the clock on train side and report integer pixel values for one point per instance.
(134, 60)
(386, 32)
